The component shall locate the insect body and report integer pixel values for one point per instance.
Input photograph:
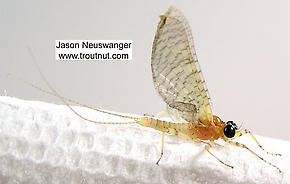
(187, 131)
(178, 80)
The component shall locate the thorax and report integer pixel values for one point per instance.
(207, 130)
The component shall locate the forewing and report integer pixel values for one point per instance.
(176, 73)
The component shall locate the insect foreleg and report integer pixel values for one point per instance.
(244, 146)
(243, 132)
(162, 148)
(208, 146)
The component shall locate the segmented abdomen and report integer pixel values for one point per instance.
(176, 129)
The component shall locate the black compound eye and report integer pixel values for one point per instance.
(229, 131)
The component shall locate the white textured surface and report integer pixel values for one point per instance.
(46, 143)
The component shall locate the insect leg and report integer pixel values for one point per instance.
(162, 147)
(243, 132)
(157, 114)
(209, 145)
(244, 146)
(160, 113)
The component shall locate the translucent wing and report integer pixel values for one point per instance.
(175, 70)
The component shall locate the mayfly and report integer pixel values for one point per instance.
(178, 80)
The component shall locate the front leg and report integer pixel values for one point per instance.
(244, 146)
(243, 132)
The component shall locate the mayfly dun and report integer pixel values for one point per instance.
(178, 80)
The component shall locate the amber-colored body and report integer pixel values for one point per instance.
(179, 81)
(202, 130)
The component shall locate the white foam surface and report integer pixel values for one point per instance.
(47, 143)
